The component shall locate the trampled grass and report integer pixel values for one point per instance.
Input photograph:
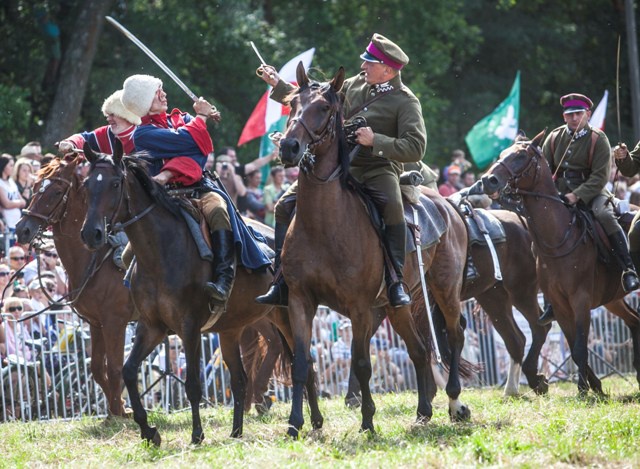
(560, 429)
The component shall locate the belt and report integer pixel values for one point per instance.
(575, 174)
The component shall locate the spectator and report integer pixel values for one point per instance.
(41, 300)
(5, 275)
(272, 193)
(255, 198)
(459, 159)
(14, 334)
(291, 174)
(10, 198)
(32, 151)
(243, 170)
(49, 263)
(17, 258)
(231, 181)
(451, 185)
(23, 176)
(468, 179)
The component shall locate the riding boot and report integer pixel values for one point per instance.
(471, 271)
(547, 316)
(395, 236)
(278, 293)
(224, 256)
(620, 250)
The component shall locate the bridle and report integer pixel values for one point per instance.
(511, 191)
(60, 207)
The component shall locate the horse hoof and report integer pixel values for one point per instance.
(152, 437)
(368, 428)
(423, 420)
(353, 402)
(461, 414)
(543, 386)
(237, 433)
(197, 437)
(317, 424)
(293, 432)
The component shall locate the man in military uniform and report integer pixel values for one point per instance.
(395, 134)
(177, 145)
(629, 165)
(580, 157)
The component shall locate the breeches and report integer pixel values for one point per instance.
(603, 211)
(388, 198)
(214, 210)
(634, 234)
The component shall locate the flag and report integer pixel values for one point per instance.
(496, 131)
(268, 115)
(599, 114)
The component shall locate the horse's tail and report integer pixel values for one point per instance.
(467, 369)
(282, 370)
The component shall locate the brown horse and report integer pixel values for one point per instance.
(518, 288)
(333, 256)
(167, 284)
(570, 274)
(95, 283)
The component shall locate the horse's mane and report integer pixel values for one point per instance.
(343, 148)
(139, 167)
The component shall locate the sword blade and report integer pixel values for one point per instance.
(129, 35)
(255, 49)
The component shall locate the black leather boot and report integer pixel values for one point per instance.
(395, 236)
(620, 250)
(547, 316)
(471, 271)
(278, 293)
(224, 256)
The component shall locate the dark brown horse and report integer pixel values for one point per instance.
(518, 288)
(569, 272)
(95, 283)
(167, 284)
(333, 256)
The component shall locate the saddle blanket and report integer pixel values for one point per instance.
(431, 222)
(491, 224)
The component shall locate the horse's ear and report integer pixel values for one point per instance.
(118, 152)
(520, 137)
(301, 75)
(338, 79)
(89, 154)
(538, 139)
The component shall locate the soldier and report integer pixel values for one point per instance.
(629, 165)
(580, 157)
(177, 145)
(395, 134)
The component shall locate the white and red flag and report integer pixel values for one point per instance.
(599, 113)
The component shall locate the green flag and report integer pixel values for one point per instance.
(496, 131)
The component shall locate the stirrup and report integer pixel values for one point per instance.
(630, 281)
(547, 316)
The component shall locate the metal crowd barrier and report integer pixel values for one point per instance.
(50, 377)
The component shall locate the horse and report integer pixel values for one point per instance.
(518, 288)
(568, 269)
(166, 284)
(95, 283)
(332, 255)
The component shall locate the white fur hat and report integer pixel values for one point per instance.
(113, 105)
(138, 92)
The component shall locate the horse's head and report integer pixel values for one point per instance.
(314, 122)
(104, 187)
(517, 168)
(49, 203)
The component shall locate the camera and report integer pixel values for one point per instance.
(225, 166)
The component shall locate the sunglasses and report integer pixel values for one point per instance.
(17, 258)
(13, 309)
(51, 254)
(5, 274)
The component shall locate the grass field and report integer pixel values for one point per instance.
(560, 429)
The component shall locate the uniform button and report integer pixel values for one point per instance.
(365, 109)
(380, 153)
(566, 163)
(373, 93)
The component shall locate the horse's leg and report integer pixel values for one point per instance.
(248, 338)
(527, 304)
(497, 304)
(630, 317)
(233, 359)
(147, 338)
(274, 351)
(99, 366)
(301, 312)
(403, 324)
(191, 343)
(114, 334)
(361, 363)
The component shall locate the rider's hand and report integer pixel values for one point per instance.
(65, 147)
(203, 108)
(571, 198)
(364, 136)
(620, 152)
(269, 74)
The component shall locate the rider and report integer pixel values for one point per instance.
(177, 145)
(122, 123)
(580, 157)
(629, 165)
(395, 134)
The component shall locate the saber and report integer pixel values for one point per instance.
(153, 57)
(255, 49)
(423, 284)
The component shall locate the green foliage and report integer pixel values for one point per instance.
(15, 116)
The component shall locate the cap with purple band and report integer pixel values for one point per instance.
(575, 102)
(382, 50)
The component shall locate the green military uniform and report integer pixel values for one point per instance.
(629, 167)
(583, 172)
(394, 115)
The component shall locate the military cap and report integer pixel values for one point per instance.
(575, 102)
(382, 50)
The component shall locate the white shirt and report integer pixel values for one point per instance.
(11, 215)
